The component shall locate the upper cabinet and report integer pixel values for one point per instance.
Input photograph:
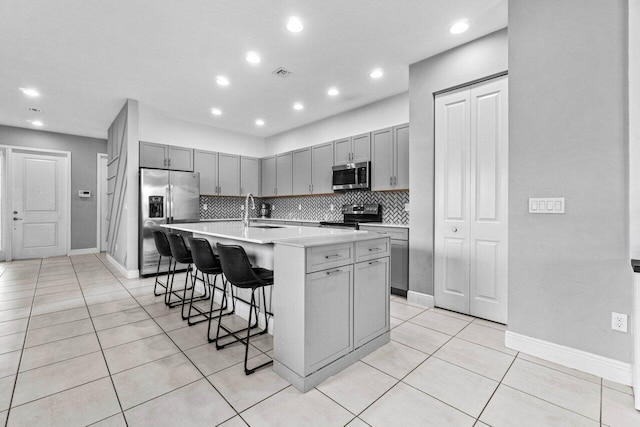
(354, 149)
(228, 175)
(219, 173)
(162, 156)
(302, 171)
(390, 158)
(268, 174)
(249, 175)
(284, 174)
(206, 163)
(321, 163)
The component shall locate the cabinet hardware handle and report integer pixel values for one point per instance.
(169, 162)
(390, 180)
(332, 256)
(374, 249)
(454, 229)
(374, 262)
(15, 218)
(329, 273)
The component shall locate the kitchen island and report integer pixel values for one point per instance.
(330, 296)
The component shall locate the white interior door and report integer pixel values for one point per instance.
(471, 189)
(39, 205)
(103, 208)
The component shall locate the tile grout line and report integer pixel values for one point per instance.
(15, 381)
(496, 389)
(101, 349)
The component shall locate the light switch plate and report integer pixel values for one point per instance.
(546, 205)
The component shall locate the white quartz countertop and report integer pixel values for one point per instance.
(382, 224)
(305, 236)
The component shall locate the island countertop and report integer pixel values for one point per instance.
(235, 230)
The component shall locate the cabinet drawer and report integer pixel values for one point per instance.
(372, 249)
(324, 257)
(393, 232)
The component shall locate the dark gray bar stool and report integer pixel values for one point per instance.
(163, 248)
(239, 272)
(182, 254)
(208, 264)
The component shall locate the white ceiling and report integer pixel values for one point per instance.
(87, 57)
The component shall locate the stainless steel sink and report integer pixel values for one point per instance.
(265, 226)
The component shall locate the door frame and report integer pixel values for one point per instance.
(7, 194)
(101, 186)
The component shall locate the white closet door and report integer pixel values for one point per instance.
(471, 205)
(452, 181)
(489, 208)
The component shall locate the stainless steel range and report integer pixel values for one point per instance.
(356, 214)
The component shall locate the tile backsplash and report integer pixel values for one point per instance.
(312, 208)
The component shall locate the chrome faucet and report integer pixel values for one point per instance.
(246, 209)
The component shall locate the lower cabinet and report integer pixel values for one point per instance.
(328, 302)
(331, 309)
(370, 300)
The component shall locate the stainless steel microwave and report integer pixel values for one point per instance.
(353, 176)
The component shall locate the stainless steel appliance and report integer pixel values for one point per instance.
(356, 214)
(166, 197)
(265, 210)
(354, 176)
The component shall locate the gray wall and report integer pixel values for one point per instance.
(84, 152)
(477, 59)
(568, 138)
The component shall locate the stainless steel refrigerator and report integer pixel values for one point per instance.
(166, 197)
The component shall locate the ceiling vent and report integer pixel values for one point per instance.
(281, 72)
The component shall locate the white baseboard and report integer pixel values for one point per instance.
(600, 366)
(420, 299)
(129, 274)
(86, 251)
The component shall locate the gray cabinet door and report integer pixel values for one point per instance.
(180, 158)
(249, 175)
(268, 174)
(342, 151)
(382, 160)
(401, 151)
(206, 163)
(302, 171)
(284, 174)
(400, 264)
(228, 174)
(370, 300)
(328, 316)
(153, 155)
(322, 161)
(361, 148)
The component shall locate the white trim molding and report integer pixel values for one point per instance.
(421, 299)
(129, 274)
(85, 251)
(604, 367)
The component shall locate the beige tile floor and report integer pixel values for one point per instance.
(81, 345)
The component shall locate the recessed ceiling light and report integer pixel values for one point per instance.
(259, 122)
(222, 81)
(37, 123)
(333, 91)
(30, 92)
(216, 111)
(253, 58)
(298, 106)
(376, 74)
(459, 27)
(294, 25)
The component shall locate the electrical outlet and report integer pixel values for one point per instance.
(331, 207)
(619, 322)
(241, 207)
(406, 207)
(299, 207)
(204, 206)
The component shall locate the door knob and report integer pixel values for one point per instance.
(454, 229)
(16, 218)
(15, 212)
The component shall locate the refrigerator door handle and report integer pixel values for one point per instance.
(169, 206)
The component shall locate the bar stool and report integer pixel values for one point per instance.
(181, 254)
(163, 248)
(208, 264)
(239, 272)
